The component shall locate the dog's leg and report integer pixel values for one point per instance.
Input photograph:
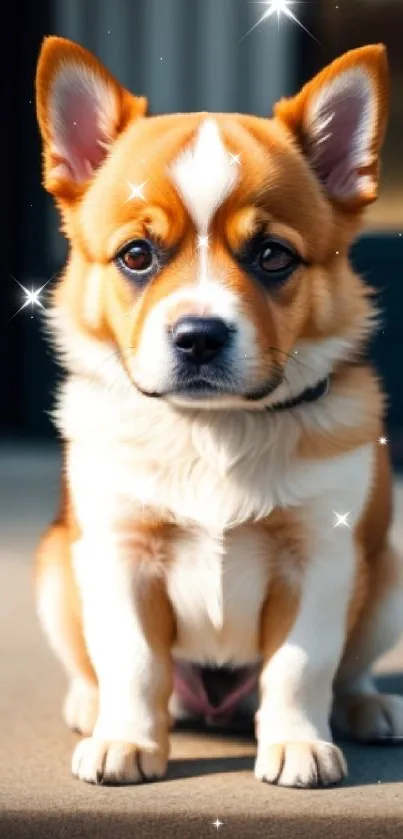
(128, 627)
(294, 739)
(59, 611)
(360, 711)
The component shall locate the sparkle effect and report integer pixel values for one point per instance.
(32, 296)
(202, 241)
(279, 8)
(383, 441)
(217, 824)
(341, 519)
(136, 191)
(235, 159)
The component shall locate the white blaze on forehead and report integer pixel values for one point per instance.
(204, 175)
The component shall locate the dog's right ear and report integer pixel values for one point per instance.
(339, 120)
(81, 109)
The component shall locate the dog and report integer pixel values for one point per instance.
(224, 525)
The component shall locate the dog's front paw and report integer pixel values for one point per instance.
(300, 764)
(116, 762)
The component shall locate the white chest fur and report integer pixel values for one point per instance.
(212, 475)
(217, 586)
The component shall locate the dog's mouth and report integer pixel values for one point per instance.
(200, 387)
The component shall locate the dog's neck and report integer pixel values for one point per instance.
(215, 468)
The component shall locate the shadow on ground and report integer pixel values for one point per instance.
(368, 764)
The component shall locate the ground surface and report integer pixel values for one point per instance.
(210, 777)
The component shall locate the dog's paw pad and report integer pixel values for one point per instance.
(116, 762)
(300, 764)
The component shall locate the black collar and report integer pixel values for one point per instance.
(311, 394)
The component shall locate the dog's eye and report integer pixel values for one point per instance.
(270, 260)
(275, 257)
(137, 258)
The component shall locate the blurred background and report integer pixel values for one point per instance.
(184, 55)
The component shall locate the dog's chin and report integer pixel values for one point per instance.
(209, 395)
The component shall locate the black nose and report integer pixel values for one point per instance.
(200, 339)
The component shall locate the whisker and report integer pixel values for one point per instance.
(298, 361)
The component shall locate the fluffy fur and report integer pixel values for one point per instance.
(204, 530)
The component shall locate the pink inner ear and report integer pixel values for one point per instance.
(340, 139)
(81, 134)
(81, 111)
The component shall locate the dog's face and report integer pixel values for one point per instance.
(211, 250)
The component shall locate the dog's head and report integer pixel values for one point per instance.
(210, 251)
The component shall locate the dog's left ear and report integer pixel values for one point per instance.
(81, 111)
(339, 119)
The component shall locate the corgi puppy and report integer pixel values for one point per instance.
(226, 502)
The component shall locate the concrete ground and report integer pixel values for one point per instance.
(210, 776)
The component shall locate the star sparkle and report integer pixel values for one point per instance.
(341, 519)
(235, 159)
(382, 441)
(217, 824)
(280, 8)
(137, 191)
(203, 241)
(32, 297)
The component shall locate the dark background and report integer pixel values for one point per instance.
(184, 55)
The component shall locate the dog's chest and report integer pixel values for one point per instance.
(217, 586)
